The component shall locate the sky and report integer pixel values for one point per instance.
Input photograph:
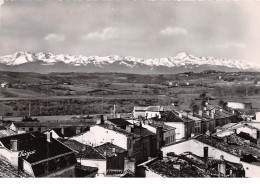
(145, 29)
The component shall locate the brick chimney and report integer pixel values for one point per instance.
(113, 150)
(14, 145)
(222, 167)
(49, 137)
(62, 131)
(206, 154)
(14, 154)
(200, 112)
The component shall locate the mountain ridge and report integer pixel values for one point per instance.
(115, 63)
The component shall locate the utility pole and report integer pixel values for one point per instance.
(114, 111)
(29, 108)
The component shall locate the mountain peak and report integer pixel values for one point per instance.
(183, 60)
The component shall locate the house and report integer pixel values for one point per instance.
(223, 117)
(106, 157)
(184, 127)
(240, 105)
(208, 123)
(169, 135)
(139, 142)
(38, 155)
(5, 85)
(59, 129)
(148, 112)
(243, 129)
(232, 147)
(197, 121)
(188, 164)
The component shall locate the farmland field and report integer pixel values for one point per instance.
(58, 94)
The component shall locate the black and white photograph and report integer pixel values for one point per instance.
(129, 89)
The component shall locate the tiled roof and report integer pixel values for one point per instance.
(120, 122)
(172, 116)
(234, 145)
(9, 171)
(142, 132)
(36, 141)
(73, 144)
(107, 149)
(118, 130)
(7, 132)
(161, 124)
(90, 153)
(84, 171)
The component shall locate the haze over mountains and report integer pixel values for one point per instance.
(183, 62)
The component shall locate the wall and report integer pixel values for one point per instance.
(65, 173)
(257, 114)
(252, 171)
(180, 129)
(27, 167)
(99, 135)
(151, 174)
(236, 105)
(5, 153)
(254, 124)
(100, 164)
(136, 114)
(170, 135)
(151, 114)
(250, 131)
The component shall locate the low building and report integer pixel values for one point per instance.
(184, 127)
(190, 165)
(169, 135)
(148, 112)
(106, 157)
(59, 129)
(38, 155)
(138, 141)
(233, 148)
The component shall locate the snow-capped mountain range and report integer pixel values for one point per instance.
(47, 62)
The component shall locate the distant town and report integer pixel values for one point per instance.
(204, 124)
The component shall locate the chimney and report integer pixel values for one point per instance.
(14, 145)
(113, 150)
(49, 137)
(222, 167)
(118, 115)
(110, 127)
(206, 154)
(212, 115)
(200, 112)
(208, 133)
(62, 130)
(225, 139)
(204, 108)
(129, 129)
(105, 153)
(180, 115)
(14, 155)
